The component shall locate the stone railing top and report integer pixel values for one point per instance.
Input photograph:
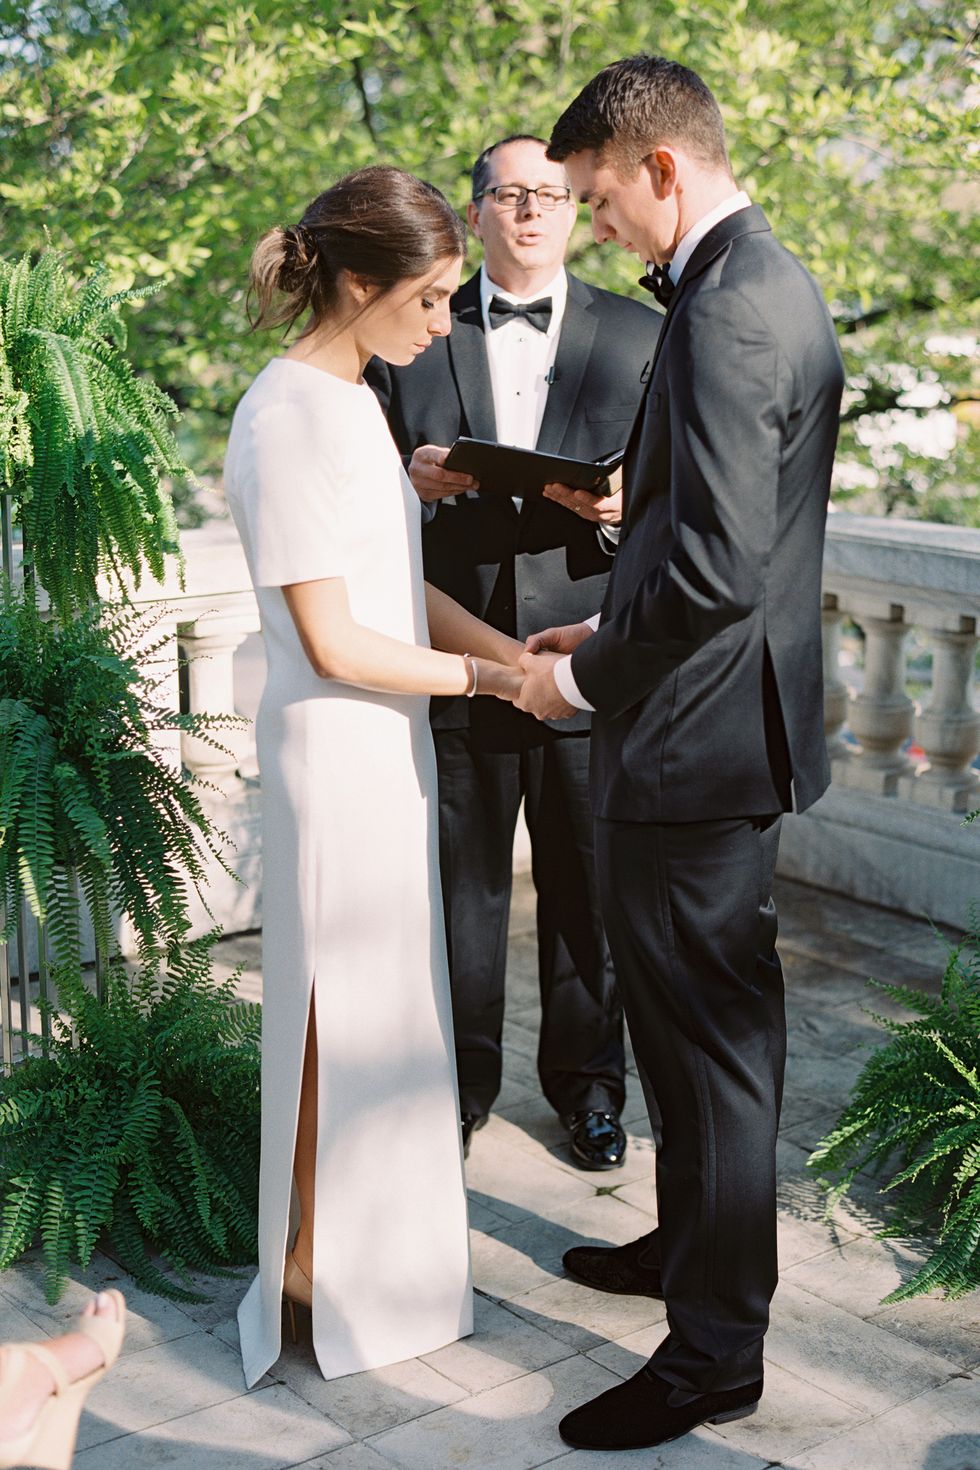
(917, 556)
(214, 566)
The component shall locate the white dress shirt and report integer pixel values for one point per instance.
(564, 678)
(520, 359)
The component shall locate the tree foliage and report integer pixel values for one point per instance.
(164, 138)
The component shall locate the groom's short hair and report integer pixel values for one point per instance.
(634, 106)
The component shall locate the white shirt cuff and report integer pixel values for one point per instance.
(609, 536)
(567, 687)
(594, 621)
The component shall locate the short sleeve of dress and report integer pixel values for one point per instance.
(293, 492)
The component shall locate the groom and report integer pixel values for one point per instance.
(705, 677)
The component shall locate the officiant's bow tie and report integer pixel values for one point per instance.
(657, 280)
(537, 313)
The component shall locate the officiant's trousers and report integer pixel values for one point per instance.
(692, 928)
(581, 1060)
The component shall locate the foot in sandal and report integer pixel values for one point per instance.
(43, 1385)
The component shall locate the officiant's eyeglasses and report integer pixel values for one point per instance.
(512, 196)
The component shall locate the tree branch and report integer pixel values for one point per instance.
(368, 115)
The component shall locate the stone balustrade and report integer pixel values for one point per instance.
(891, 827)
(889, 830)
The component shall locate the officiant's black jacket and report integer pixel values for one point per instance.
(542, 566)
(706, 671)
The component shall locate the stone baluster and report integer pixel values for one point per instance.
(880, 716)
(948, 727)
(208, 645)
(162, 669)
(834, 688)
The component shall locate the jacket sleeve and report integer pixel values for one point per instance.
(726, 392)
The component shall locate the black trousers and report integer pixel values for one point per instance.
(580, 1051)
(692, 929)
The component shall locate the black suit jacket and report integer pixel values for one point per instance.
(542, 566)
(706, 671)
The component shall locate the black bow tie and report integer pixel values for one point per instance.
(537, 313)
(657, 280)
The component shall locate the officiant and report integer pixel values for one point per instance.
(536, 358)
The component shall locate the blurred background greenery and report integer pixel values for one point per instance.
(162, 138)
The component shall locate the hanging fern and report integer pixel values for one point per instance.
(85, 791)
(85, 444)
(915, 1113)
(145, 1129)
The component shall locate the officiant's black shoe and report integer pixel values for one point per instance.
(597, 1139)
(646, 1411)
(470, 1123)
(617, 1268)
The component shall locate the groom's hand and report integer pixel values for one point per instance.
(540, 694)
(430, 480)
(559, 640)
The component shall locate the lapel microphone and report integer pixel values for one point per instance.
(552, 375)
(645, 374)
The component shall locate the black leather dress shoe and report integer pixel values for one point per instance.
(470, 1122)
(627, 1270)
(646, 1411)
(597, 1139)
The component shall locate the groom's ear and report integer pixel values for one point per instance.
(661, 169)
(473, 218)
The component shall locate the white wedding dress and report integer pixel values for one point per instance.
(352, 906)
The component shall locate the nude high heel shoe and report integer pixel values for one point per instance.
(296, 1288)
(50, 1442)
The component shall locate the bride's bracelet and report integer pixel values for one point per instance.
(471, 664)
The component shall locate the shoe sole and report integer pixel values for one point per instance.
(657, 1296)
(728, 1417)
(595, 1168)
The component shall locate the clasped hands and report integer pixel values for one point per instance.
(536, 691)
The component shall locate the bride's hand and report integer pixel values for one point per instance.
(503, 680)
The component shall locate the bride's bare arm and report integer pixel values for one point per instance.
(338, 647)
(455, 630)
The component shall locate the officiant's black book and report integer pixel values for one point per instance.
(503, 469)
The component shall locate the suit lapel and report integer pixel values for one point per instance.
(468, 355)
(743, 222)
(578, 329)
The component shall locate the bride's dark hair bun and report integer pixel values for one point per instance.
(380, 223)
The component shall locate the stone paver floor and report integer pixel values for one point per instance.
(850, 1384)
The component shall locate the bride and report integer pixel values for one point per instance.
(362, 1214)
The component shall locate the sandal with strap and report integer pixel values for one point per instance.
(50, 1442)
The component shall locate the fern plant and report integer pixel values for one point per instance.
(87, 798)
(85, 444)
(141, 1126)
(915, 1114)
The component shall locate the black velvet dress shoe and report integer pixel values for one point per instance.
(597, 1139)
(617, 1268)
(646, 1411)
(470, 1122)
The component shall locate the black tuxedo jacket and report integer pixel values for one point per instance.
(706, 670)
(542, 566)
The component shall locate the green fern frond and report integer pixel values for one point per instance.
(86, 446)
(915, 1112)
(144, 1132)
